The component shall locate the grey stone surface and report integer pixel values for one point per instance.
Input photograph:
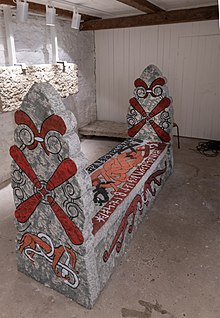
(7, 127)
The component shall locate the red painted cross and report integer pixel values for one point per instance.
(64, 171)
(162, 134)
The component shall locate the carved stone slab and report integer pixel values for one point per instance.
(115, 225)
(74, 224)
(53, 197)
(105, 128)
(150, 114)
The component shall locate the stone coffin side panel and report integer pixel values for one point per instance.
(15, 82)
(112, 243)
(115, 174)
(53, 198)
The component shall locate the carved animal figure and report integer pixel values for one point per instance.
(33, 244)
(115, 171)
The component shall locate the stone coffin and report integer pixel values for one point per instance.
(75, 223)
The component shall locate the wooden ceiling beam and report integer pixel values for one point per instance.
(40, 8)
(164, 17)
(142, 5)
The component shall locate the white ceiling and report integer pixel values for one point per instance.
(113, 8)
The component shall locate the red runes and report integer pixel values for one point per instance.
(162, 134)
(64, 171)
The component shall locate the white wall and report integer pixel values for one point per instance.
(33, 46)
(188, 54)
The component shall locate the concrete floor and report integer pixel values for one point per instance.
(172, 268)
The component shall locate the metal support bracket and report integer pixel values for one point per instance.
(64, 63)
(23, 67)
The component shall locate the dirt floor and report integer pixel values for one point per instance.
(172, 269)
